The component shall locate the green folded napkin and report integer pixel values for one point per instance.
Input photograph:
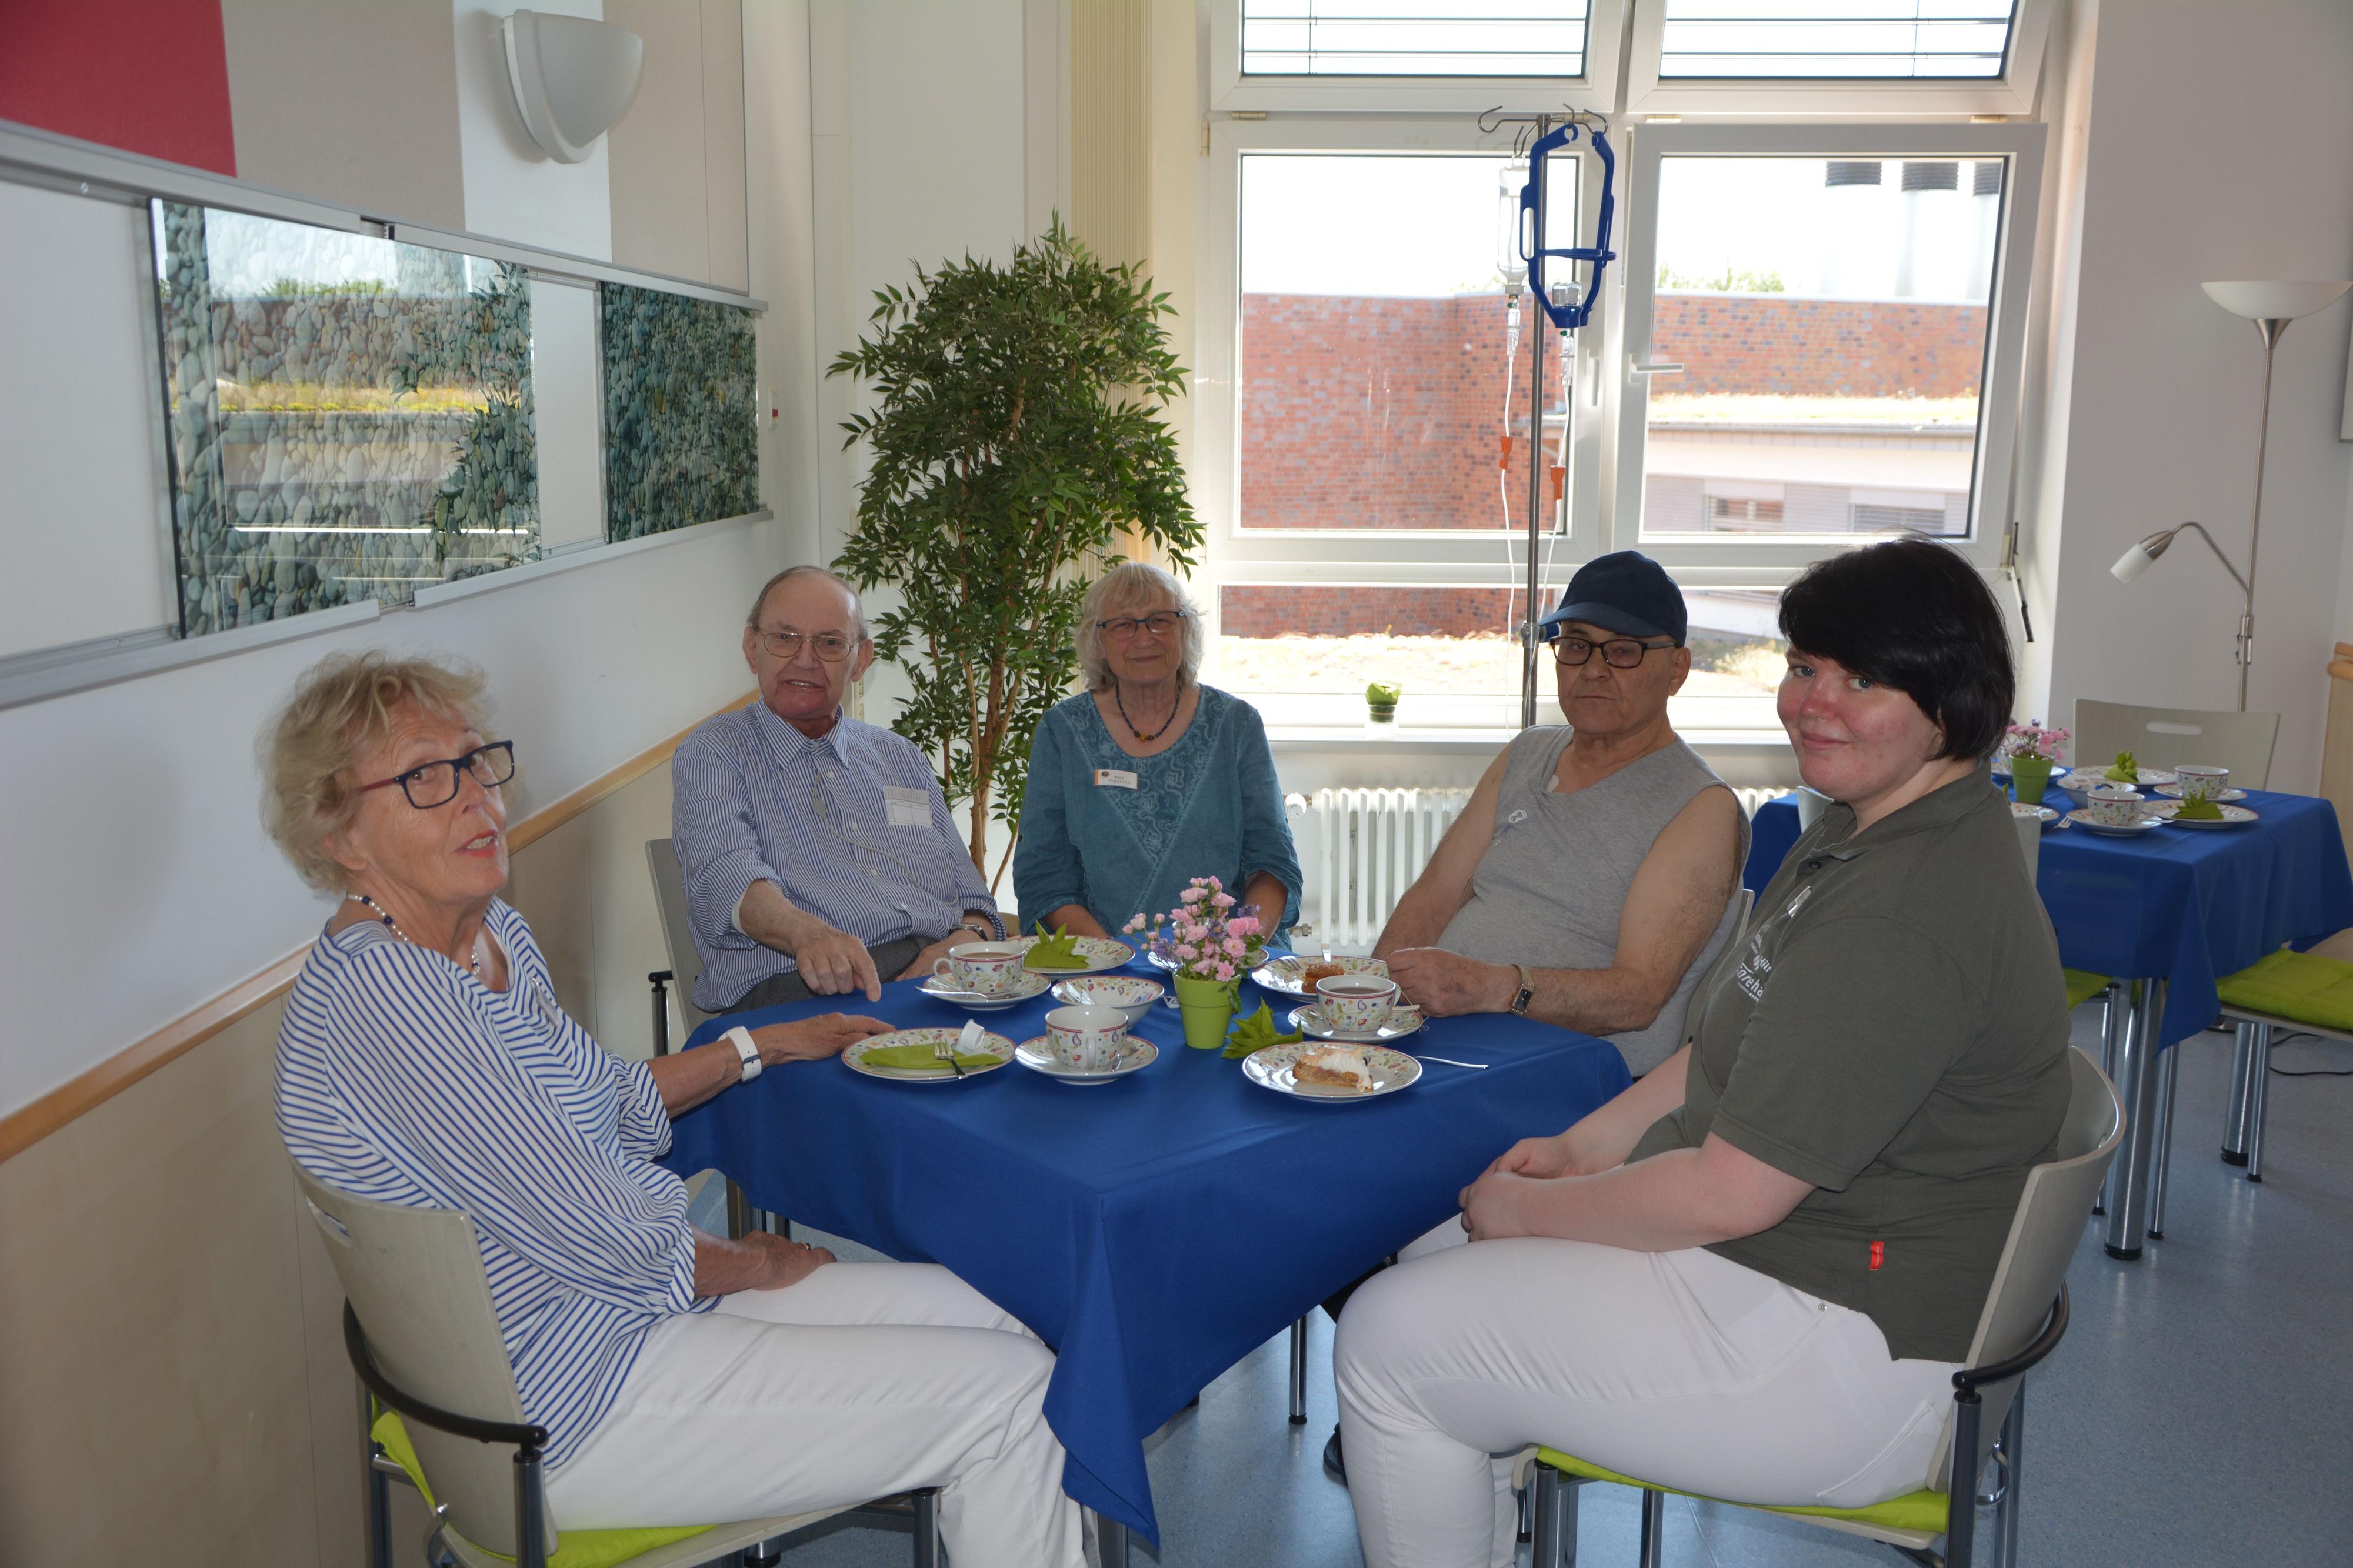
(1058, 950)
(916, 1058)
(1257, 1032)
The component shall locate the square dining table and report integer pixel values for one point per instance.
(1151, 1230)
(2168, 914)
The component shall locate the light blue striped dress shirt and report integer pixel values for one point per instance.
(851, 826)
(403, 1078)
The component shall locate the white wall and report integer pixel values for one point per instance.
(2213, 152)
(139, 883)
(514, 190)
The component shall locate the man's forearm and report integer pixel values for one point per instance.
(768, 917)
(1593, 1001)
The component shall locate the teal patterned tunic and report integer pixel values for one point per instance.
(1208, 807)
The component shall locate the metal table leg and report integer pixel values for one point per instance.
(2259, 1090)
(2234, 1120)
(1111, 1542)
(2116, 1015)
(2163, 1163)
(2139, 1073)
(1299, 1372)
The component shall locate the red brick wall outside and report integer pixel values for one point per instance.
(1819, 348)
(1266, 612)
(1366, 413)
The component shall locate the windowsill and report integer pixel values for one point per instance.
(1425, 741)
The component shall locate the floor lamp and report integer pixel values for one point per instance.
(2271, 306)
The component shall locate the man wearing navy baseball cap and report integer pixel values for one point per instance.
(1592, 878)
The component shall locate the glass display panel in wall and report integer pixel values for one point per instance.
(681, 428)
(1831, 316)
(1413, 37)
(350, 417)
(1842, 40)
(1374, 348)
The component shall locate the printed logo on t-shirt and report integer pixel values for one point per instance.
(1755, 969)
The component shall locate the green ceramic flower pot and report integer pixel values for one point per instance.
(2028, 777)
(1209, 1007)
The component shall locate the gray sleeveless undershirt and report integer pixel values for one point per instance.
(1548, 891)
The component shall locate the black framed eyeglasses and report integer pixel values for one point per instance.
(786, 647)
(1159, 623)
(431, 785)
(1618, 653)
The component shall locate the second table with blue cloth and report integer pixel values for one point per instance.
(2184, 905)
(1155, 1230)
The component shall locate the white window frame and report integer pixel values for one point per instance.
(1293, 557)
(1597, 89)
(1709, 563)
(1814, 98)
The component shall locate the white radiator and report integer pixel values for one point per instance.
(1362, 849)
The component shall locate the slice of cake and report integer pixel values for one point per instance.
(1335, 1066)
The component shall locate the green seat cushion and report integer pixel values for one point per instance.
(2083, 985)
(575, 1548)
(1922, 1512)
(2304, 986)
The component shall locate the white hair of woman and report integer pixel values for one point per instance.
(1135, 588)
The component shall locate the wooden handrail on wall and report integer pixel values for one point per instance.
(20, 1130)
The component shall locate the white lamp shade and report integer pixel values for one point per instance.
(572, 77)
(2279, 302)
(2132, 563)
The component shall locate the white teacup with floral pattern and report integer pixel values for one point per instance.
(2202, 780)
(988, 968)
(1085, 1039)
(2113, 805)
(1357, 1004)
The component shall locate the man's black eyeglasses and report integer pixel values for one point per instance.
(1618, 653)
(428, 785)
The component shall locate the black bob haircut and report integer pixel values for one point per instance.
(1913, 615)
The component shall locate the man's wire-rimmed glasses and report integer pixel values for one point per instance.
(786, 647)
(1159, 623)
(1618, 653)
(430, 785)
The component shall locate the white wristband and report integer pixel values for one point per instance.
(741, 1038)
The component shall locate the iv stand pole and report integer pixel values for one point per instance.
(1528, 643)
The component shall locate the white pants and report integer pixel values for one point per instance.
(1680, 1367)
(861, 1381)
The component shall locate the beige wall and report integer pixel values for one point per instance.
(172, 1371)
(677, 156)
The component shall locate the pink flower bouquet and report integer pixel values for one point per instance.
(1204, 937)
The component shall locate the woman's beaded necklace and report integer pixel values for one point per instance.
(473, 964)
(1176, 705)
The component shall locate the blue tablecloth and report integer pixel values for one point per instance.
(1152, 1231)
(2176, 904)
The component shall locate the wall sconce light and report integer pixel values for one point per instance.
(572, 77)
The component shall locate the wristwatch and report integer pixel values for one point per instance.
(741, 1038)
(978, 930)
(1525, 994)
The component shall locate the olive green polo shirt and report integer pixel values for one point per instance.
(1891, 1028)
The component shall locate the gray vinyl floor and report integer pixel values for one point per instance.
(2199, 1412)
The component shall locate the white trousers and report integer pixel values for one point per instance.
(861, 1381)
(1680, 1367)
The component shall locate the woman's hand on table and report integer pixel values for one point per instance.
(1446, 984)
(814, 1039)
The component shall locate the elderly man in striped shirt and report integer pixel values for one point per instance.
(817, 851)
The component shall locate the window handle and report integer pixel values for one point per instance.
(1652, 367)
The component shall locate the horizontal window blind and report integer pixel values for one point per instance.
(1414, 38)
(1853, 39)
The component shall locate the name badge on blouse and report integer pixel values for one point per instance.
(1115, 778)
(908, 808)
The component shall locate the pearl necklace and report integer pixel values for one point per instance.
(473, 964)
(1176, 704)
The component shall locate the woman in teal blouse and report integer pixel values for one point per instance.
(1148, 779)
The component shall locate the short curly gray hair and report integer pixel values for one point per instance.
(1127, 588)
(341, 710)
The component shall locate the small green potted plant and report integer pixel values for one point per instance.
(2032, 751)
(1381, 700)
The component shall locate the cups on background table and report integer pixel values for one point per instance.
(1085, 1039)
(1361, 1002)
(2113, 805)
(989, 968)
(2202, 780)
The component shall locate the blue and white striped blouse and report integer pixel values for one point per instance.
(403, 1078)
(851, 826)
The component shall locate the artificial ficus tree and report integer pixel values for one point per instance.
(1014, 437)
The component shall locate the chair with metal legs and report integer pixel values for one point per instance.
(2282, 992)
(2025, 1316)
(430, 1349)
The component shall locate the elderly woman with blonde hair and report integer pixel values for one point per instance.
(424, 1060)
(1148, 778)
